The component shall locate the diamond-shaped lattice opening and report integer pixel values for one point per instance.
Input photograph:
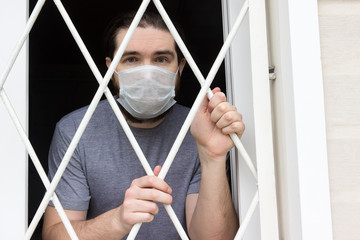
(205, 83)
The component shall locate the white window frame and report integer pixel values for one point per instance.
(248, 88)
(299, 120)
(298, 112)
(13, 156)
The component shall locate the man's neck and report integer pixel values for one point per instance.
(145, 124)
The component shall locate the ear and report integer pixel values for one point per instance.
(177, 83)
(114, 79)
(182, 65)
(108, 61)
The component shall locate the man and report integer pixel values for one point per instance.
(104, 190)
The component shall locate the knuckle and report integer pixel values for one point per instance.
(130, 193)
(151, 180)
(148, 217)
(243, 127)
(152, 195)
(168, 199)
(222, 107)
(237, 126)
(228, 117)
(214, 117)
(127, 205)
(134, 182)
(171, 199)
(154, 209)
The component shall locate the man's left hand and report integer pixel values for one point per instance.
(213, 123)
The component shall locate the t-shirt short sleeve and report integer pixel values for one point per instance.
(195, 181)
(72, 190)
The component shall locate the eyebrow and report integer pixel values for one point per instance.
(164, 52)
(128, 53)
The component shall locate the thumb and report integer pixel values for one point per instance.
(157, 170)
(215, 90)
(210, 94)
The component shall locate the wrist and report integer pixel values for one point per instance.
(207, 155)
(118, 224)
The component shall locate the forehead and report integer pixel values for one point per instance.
(147, 40)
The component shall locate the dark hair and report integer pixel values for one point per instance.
(149, 19)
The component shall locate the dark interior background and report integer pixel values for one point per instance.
(61, 81)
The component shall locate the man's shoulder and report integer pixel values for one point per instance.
(75, 117)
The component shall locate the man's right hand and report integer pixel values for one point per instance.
(140, 205)
(140, 201)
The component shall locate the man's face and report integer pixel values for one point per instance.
(148, 46)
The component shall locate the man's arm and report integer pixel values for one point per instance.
(211, 214)
(96, 228)
(139, 206)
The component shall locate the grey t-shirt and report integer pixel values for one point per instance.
(104, 165)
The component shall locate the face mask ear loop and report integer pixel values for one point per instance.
(177, 71)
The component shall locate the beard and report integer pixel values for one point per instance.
(133, 119)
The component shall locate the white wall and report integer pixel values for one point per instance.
(13, 158)
(340, 50)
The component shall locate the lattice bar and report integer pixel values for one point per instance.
(36, 161)
(24, 36)
(245, 223)
(20, 129)
(87, 116)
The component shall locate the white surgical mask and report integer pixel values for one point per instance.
(146, 91)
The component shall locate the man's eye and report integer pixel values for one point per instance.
(130, 60)
(161, 59)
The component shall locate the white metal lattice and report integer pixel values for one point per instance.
(50, 187)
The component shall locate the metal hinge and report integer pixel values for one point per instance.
(272, 74)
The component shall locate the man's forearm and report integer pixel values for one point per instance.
(214, 216)
(102, 227)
